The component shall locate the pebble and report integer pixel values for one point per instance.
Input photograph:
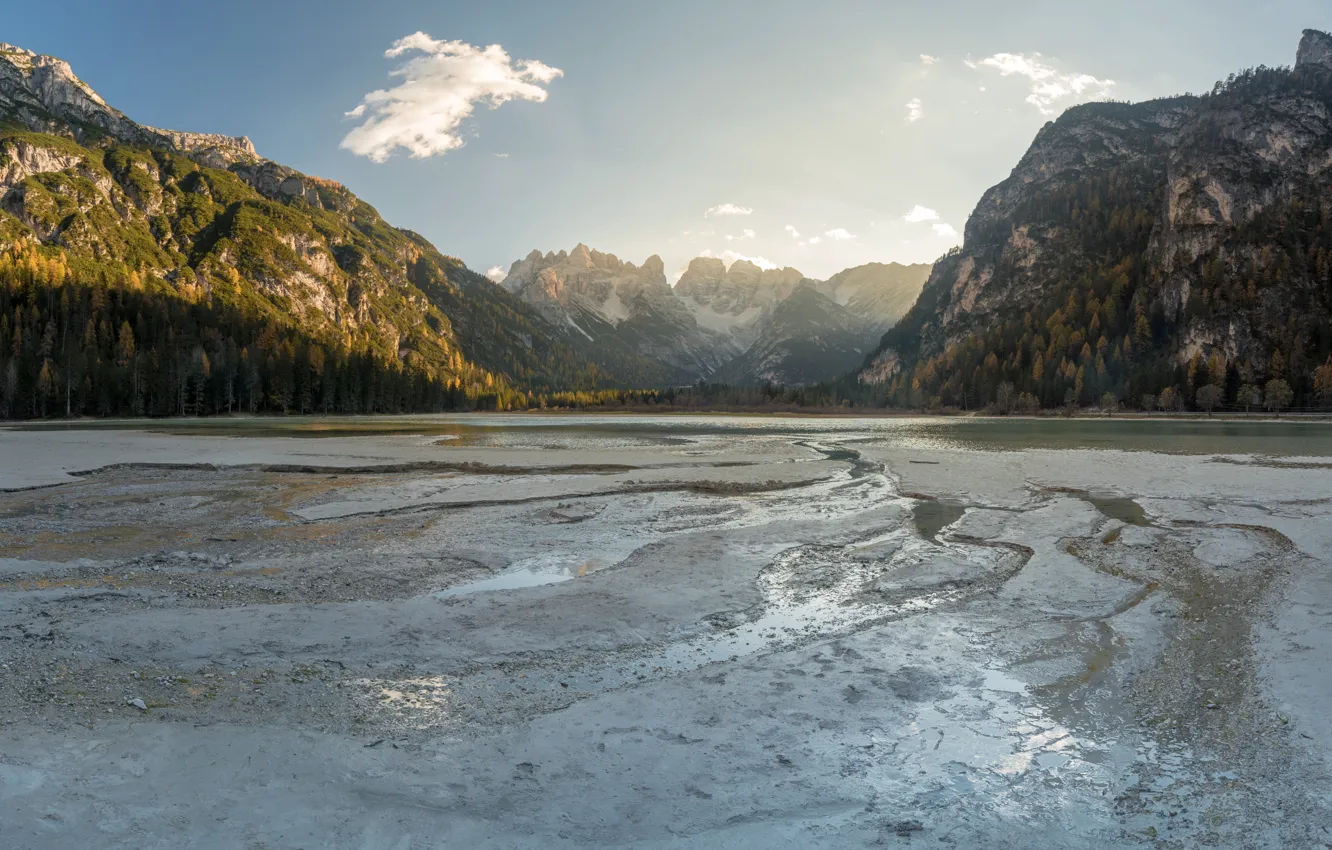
(139, 704)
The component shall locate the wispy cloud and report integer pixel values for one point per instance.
(500, 155)
(790, 228)
(840, 234)
(927, 59)
(814, 240)
(919, 213)
(744, 234)
(727, 209)
(915, 110)
(496, 274)
(440, 88)
(1048, 85)
(944, 229)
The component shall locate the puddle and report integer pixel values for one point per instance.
(933, 516)
(530, 572)
(1121, 508)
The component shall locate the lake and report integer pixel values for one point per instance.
(1176, 436)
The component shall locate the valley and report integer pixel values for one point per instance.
(738, 324)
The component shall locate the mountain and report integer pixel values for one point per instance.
(880, 292)
(718, 322)
(1138, 248)
(624, 311)
(734, 300)
(808, 337)
(154, 271)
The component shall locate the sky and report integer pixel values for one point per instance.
(813, 135)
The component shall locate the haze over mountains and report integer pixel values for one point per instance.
(740, 324)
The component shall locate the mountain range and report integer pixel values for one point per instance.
(740, 324)
(237, 282)
(1177, 249)
(1146, 251)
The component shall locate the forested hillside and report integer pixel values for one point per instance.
(150, 272)
(1173, 253)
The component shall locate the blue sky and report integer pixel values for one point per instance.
(798, 112)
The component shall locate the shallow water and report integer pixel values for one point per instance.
(931, 517)
(1183, 436)
(1118, 507)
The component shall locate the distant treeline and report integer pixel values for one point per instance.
(89, 345)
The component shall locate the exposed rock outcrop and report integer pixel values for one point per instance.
(1315, 49)
(43, 93)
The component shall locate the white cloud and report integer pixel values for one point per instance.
(839, 233)
(790, 228)
(919, 213)
(729, 257)
(915, 111)
(944, 229)
(501, 155)
(439, 90)
(814, 240)
(496, 274)
(727, 209)
(927, 59)
(1048, 84)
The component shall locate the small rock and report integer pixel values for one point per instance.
(1212, 706)
(139, 704)
(906, 827)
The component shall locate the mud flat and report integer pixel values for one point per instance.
(691, 635)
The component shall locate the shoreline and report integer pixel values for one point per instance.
(857, 413)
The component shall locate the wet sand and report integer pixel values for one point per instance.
(819, 635)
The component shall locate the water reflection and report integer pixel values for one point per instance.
(1281, 438)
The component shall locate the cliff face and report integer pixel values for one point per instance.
(43, 94)
(1315, 49)
(1134, 242)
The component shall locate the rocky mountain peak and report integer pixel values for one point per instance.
(43, 93)
(1315, 49)
(702, 268)
(581, 254)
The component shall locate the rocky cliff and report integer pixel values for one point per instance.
(1176, 243)
(43, 94)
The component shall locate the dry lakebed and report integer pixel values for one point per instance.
(652, 632)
